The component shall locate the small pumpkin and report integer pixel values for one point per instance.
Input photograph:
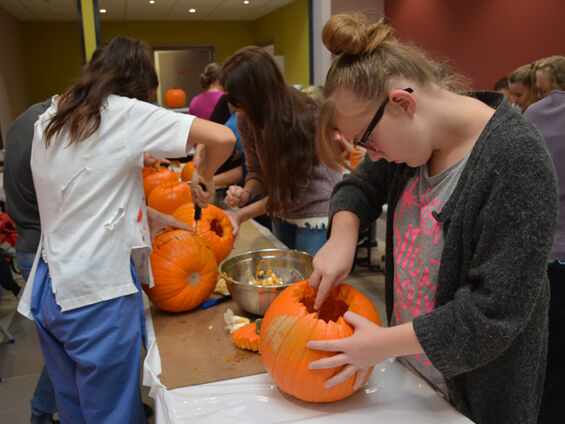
(214, 227)
(246, 337)
(175, 98)
(291, 321)
(187, 171)
(184, 269)
(167, 197)
(153, 179)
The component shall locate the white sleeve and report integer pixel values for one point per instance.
(158, 131)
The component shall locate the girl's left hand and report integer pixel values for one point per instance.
(159, 222)
(358, 352)
(199, 195)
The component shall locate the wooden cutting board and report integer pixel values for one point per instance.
(194, 346)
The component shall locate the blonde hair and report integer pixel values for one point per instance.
(526, 75)
(555, 67)
(368, 57)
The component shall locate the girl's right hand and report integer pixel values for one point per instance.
(332, 265)
(237, 196)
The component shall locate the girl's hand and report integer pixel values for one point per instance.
(237, 196)
(199, 195)
(235, 223)
(152, 161)
(358, 352)
(331, 266)
(159, 222)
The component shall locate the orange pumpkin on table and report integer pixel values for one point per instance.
(214, 227)
(153, 179)
(291, 321)
(175, 98)
(187, 171)
(184, 269)
(169, 196)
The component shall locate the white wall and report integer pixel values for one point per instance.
(321, 12)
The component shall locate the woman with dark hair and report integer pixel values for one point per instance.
(278, 134)
(84, 287)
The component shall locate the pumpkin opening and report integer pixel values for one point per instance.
(216, 226)
(331, 309)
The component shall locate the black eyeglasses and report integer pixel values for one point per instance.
(378, 115)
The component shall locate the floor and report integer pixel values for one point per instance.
(21, 361)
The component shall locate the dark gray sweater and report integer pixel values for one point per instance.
(487, 333)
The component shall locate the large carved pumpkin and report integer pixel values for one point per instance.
(167, 197)
(290, 322)
(153, 179)
(184, 269)
(175, 98)
(187, 170)
(214, 227)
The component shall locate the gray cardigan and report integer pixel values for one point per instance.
(487, 334)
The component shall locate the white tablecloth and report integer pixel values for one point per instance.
(392, 395)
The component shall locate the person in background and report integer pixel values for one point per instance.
(84, 286)
(548, 115)
(278, 136)
(501, 86)
(522, 86)
(203, 104)
(550, 75)
(472, 205)
(21, 205)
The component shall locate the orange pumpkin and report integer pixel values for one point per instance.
(184, 269)
(187, 170)
(246, 337)
(356, 156)
(214, 227)
(153, 179)
(147, 170)
(167, 197)
(175, 98)
(290, 322)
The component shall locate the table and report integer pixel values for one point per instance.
(393, 394)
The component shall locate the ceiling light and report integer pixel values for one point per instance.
(102, 10)
(191, 10)
(151, 1)
(245, 1)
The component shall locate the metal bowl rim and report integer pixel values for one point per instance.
(248, 253)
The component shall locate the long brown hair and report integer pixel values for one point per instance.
(368, 57)
(526, 74)
(286, 117)
(122, 67)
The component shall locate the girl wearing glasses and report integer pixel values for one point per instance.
(471, 196)
(277, 126)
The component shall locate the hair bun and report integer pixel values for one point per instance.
(349, 34)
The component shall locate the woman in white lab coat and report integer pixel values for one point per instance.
(86, 161)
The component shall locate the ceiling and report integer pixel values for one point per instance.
(142, 10)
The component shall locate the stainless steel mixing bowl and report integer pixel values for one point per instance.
(290, 266)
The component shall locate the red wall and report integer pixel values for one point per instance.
(483, 39)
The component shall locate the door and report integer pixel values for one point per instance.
(180, 67)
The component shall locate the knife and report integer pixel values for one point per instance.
(197, 211)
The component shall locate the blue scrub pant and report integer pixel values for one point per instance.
(92, 354)
(305, 239)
